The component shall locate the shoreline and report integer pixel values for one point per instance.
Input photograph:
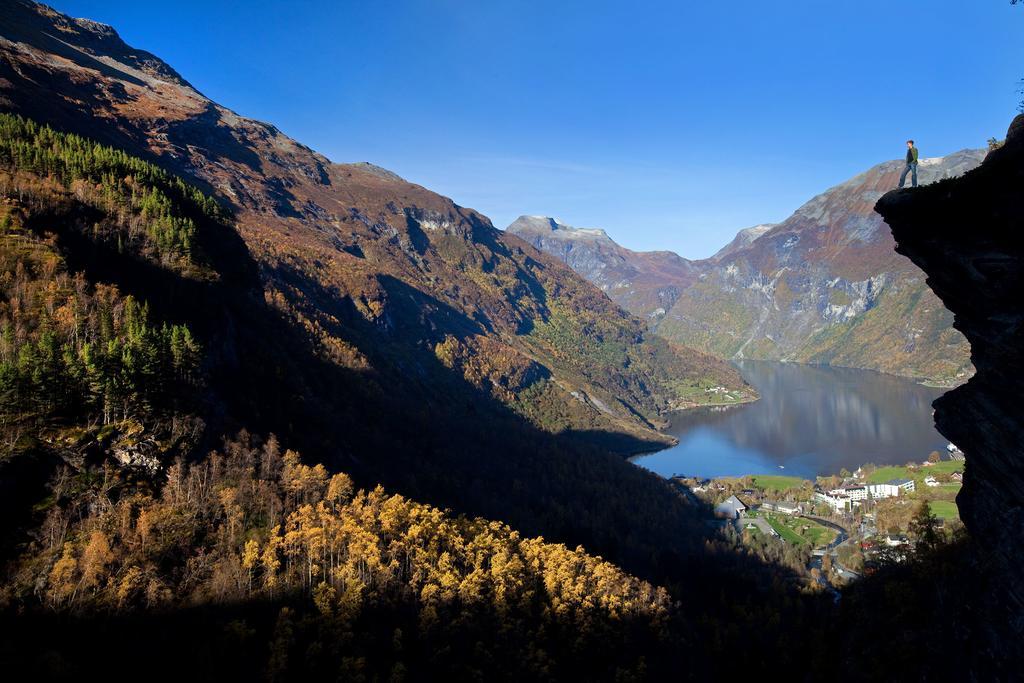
(948, 385)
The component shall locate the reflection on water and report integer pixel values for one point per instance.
(810, 420)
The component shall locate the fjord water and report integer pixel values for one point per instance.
(810, 420)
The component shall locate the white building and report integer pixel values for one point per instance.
(930, 481)
(891, 489)
(838, 502)
(856, 492)
(883, 490)
(786, 507)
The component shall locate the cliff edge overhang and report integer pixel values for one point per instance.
(967, 235)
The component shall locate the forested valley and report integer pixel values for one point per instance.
(134, 490)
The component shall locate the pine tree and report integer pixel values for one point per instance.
(924, 527)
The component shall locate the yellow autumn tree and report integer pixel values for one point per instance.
(250, 559)
(62, 579)
(95, 558)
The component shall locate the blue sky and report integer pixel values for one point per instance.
(670, 124)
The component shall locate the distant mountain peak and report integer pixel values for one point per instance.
(647, 281)
(546, 224)
(744, 238)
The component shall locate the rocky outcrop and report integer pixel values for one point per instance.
(967, 234)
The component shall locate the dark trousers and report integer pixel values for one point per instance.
(912, 170)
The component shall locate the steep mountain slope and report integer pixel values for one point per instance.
(823, 286)
(373, 324)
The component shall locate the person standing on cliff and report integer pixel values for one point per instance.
(911, 167)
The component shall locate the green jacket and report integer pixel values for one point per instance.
(912, 155)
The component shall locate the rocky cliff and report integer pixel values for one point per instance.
(967, 234)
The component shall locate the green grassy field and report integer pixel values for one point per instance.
(946, 509)
(792, 530)
(776, 482)
(785, 532)
(818, 535)
(884, 474)
(699, 392)
(945, 467)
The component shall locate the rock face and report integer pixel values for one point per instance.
(823, 286)
(968, 236)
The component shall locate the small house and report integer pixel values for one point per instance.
(896, 540)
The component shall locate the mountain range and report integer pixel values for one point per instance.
(824, 286)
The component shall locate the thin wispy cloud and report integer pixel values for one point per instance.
(545, 164)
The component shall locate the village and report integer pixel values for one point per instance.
(837, 528)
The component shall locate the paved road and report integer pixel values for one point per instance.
(833, 547)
